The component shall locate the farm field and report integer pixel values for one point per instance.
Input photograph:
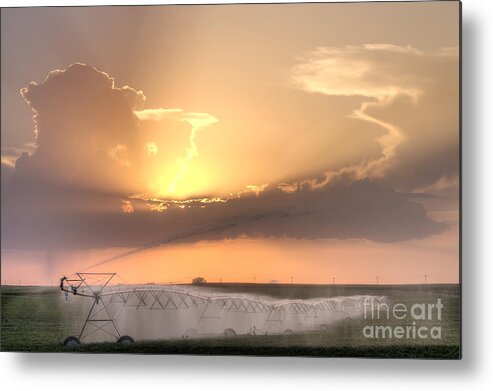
(39, 319)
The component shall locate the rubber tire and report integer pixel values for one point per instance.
(288, 332)
(125, 340)
(229, 333)
(71, 342)
(324, 327)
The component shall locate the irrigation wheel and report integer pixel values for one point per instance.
(71, 342)
(125, 340)
(229, 333)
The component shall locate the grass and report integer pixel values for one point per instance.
(36, 319)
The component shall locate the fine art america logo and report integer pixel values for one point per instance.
(401, 321)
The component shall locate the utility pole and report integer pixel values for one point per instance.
(333, 280)
(291, 280)
(254, 279)
(377, 280)
(426, 279)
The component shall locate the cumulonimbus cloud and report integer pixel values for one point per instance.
(86, 132)
(88, 135)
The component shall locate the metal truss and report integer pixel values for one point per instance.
(156, 299)
(99, 317)
(240, 304)
(102, 314)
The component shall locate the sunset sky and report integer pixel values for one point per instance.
(232, 142)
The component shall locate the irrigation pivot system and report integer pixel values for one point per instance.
(122, 312)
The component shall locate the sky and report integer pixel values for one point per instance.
(235, 142)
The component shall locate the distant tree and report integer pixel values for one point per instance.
(199, 281)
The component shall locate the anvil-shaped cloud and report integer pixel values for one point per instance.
(412, 95)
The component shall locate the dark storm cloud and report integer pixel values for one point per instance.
(360, 210)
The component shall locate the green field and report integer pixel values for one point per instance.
(37, 319)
